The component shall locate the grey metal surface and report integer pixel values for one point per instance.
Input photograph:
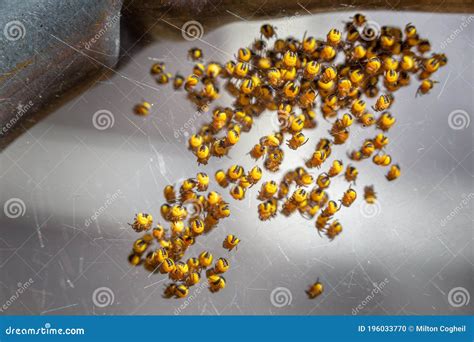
(46, 47)
(64, 170)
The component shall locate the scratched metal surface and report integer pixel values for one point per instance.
(33, 34)
(64, 170)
